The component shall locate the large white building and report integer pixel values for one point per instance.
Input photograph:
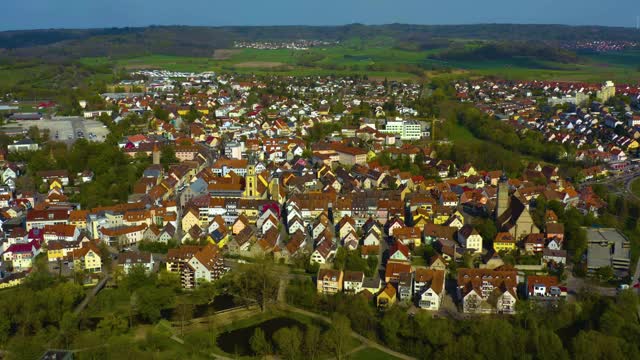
(406, 129)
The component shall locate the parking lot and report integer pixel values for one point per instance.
(67, 129)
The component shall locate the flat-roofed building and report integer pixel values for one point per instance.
(608, 247)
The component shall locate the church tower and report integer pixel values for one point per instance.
(503, 196)
(155, 153)
(250, 186)
(251, 180)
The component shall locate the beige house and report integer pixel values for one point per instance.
(351, 155)
(329, 281)
(190, 219)
(87, 258)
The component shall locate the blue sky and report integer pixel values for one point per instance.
(38, 14)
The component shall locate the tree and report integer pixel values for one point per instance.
(151, 300)
(259, 282)
(161, 113)
(5, 328)
(338, 335)
(605, 273)
(289, 342)
(259, 344)
(34, 133)
(312, 342)
(206, 292)
(168, 156)
(22, 347)
(111, 325)
(137, 278)
(487, 229)
(184, 313)
(372, 264)
(593, 345)
(68, 328)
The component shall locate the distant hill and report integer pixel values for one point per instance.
(60, 44)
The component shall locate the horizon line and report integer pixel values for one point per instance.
(328, 25)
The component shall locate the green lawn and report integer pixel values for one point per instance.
(456, 133)
(635, 187)
(370, 354)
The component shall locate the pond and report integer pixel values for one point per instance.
(237, 341)
(221, 302)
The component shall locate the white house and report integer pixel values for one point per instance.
(470, 239)
(353, 281)
(429, 288)
(128, 260)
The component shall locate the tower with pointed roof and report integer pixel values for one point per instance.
(251, 179)
(502, 196)
(155, 153)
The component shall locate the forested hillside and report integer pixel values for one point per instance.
(202, 41)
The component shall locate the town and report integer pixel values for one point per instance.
(338, 180)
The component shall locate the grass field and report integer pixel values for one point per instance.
(456, 132)
(370, 354)
(383, 62)
(635, 187)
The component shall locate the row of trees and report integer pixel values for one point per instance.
(293, 343)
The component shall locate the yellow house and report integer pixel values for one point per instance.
(504, 241)
(371, 155)
(12, 280)
(220, 243)
(468, 170)
(633, 145)
(87, 258)
(55, 184)
(55, 253)
(420, 221)
(404, 192)
(78, 218)
(387, 297)
(440, 219)
(190, 219)
(249, 209)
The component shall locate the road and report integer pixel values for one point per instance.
(613, 182)
(576, 284)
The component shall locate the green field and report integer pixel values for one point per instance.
(635, 187)
(385, 62)
(370, 354)
(375, 62)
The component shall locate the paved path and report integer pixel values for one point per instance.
(355, 335)
(359, 348)
(91, 295)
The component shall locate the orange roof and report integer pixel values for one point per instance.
(435, 277)
(60, 230)
(78, 215)
(123, 230)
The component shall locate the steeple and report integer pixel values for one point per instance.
(502, 196)
(155, 153)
